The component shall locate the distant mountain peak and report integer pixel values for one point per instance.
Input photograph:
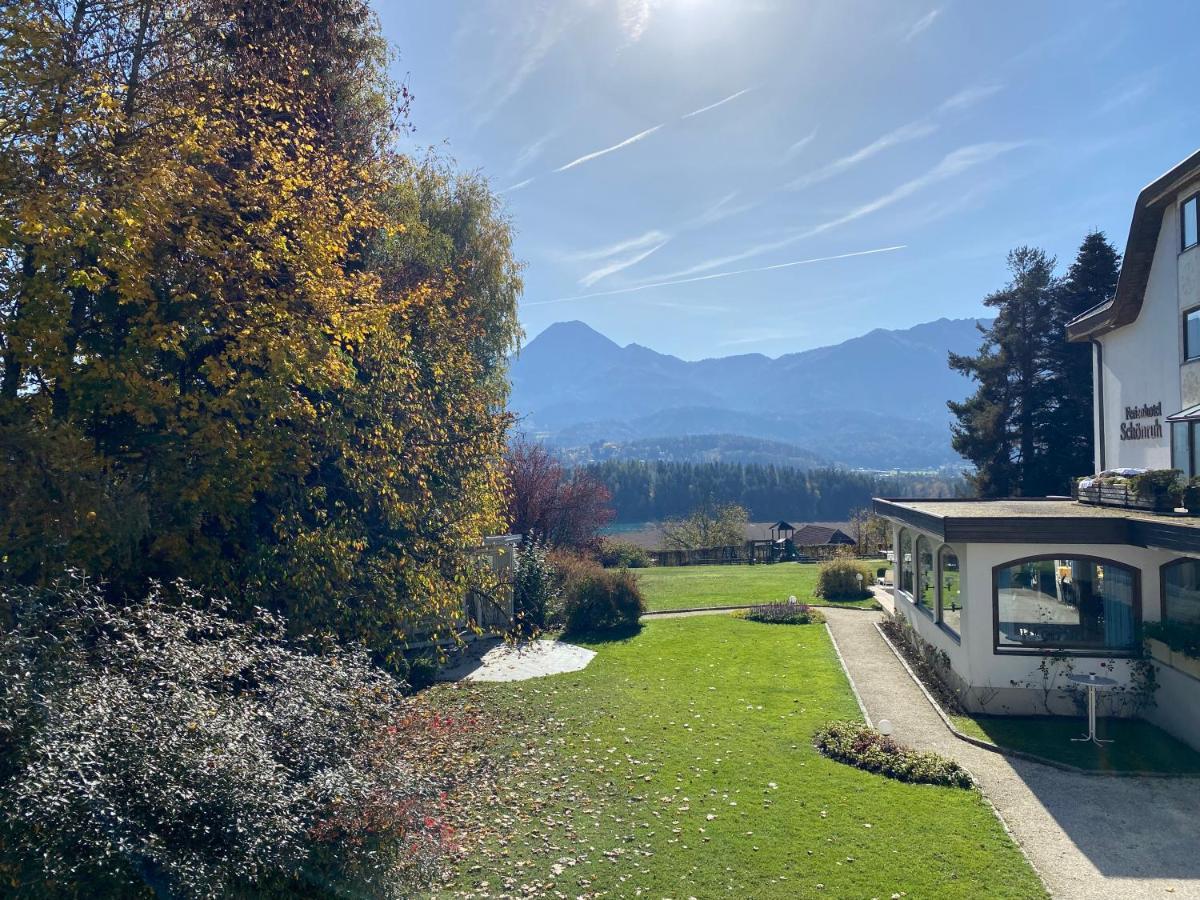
(574, 386)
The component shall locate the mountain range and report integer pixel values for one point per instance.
(876, 401)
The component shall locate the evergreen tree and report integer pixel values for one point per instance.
(1092, 279)
(1005, 426)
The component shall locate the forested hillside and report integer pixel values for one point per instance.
(652, 491)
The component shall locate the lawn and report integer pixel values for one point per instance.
(679, 764)
(1137, 746)
(683, 587)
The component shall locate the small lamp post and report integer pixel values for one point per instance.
(858, 578)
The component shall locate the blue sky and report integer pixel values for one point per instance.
(709, 178)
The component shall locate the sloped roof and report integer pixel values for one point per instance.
(1126, 301)
(814, 535)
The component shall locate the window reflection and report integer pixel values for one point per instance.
(951, 584)
(1054, 603)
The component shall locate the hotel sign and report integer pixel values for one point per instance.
(1134, 429)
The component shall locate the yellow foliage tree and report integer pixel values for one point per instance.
(243, 341)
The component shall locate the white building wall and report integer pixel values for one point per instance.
(1141, 360)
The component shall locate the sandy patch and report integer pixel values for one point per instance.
(504, 662)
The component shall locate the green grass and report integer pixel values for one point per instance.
(1137, 746)
(679, 764)
(686, 587)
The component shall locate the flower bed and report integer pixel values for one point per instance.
(1156, 490)
(782, 614)
(865, 748)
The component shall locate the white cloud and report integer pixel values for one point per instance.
(518, 185)
(530, 153)
(634, 16)
(954, 163)
(921, 24)
(518, 51)
(625, 143)
(704, 109)
(722, 209)
(641, 242)
(800, 144)
(968, 97)
(618, 265)
(716, 275)
(910, 132)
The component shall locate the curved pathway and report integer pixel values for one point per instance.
(1088, 836)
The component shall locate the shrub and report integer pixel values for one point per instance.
(622, 555)
(1159, 484)
(865, 748)
(422, 671)
(167, 747)
(839, 579)
(535, 588)
(571, 569)
(1191, 495)
(607, 601)
(782, 614)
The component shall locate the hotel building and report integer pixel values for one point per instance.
(1020, 593)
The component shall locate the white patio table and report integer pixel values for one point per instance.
(1093, 683)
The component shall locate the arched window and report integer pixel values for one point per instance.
(1181, 592)
(926, 595)
(1048, 603)
(950, 582)
(904, 561)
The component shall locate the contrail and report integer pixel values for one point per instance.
(705, 109)
(658, 284)
(625, 143)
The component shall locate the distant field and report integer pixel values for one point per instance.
(686, 587)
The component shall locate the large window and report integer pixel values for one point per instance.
(1181, 592)
(1191, 334)
(926, 595)
(904, 561)
(950, 607)
(1053, 603)
(1189, 230)
(1185, 448)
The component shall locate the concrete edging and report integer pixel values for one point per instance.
(1008, 751)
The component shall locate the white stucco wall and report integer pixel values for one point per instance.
(1011, 683)
(1141, 360)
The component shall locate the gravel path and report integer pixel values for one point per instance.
(1088, 836)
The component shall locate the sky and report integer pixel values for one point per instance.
(711, 178)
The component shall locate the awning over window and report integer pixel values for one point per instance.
(1191, 414)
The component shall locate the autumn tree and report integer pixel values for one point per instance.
(709, 525)
(564, 509)
(243, 341)
(872, 533)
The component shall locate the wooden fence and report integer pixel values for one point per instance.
(750, 552)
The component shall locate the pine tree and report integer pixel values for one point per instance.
(1092, 279)
(1002, 427)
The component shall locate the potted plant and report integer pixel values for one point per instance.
(1160, 490)
(1191, 496)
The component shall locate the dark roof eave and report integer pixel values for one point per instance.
(1144, 228)
(1133, 531)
